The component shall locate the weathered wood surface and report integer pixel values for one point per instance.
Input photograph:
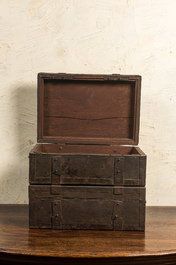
(21, 245)
(82, 169)
(88, 109)
(87, 207)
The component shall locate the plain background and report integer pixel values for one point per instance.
(97, 37)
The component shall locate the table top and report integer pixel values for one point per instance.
(21, 245)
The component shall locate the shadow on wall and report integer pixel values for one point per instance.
(26, 110)
(23, 132)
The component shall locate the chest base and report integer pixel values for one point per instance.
(87, 207)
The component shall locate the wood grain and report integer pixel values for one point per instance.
(88, 109)
(71, 127)
(88, 100)
(20, 245)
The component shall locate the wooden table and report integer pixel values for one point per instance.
(19, 245)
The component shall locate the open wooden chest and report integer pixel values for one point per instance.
(86, 172)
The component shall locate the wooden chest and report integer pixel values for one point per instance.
(86, 172)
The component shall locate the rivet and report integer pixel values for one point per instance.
(118, 171)
(60, 148)
(114, 150)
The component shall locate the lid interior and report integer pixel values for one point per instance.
(89, 109)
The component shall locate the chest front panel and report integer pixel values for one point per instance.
(85, 207)
(87, 169)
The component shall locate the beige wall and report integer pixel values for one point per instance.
(88, 36)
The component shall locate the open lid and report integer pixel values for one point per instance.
(88, 109)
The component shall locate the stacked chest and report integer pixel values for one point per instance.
(82, 173)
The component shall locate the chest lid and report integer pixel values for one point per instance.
(88, 109)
